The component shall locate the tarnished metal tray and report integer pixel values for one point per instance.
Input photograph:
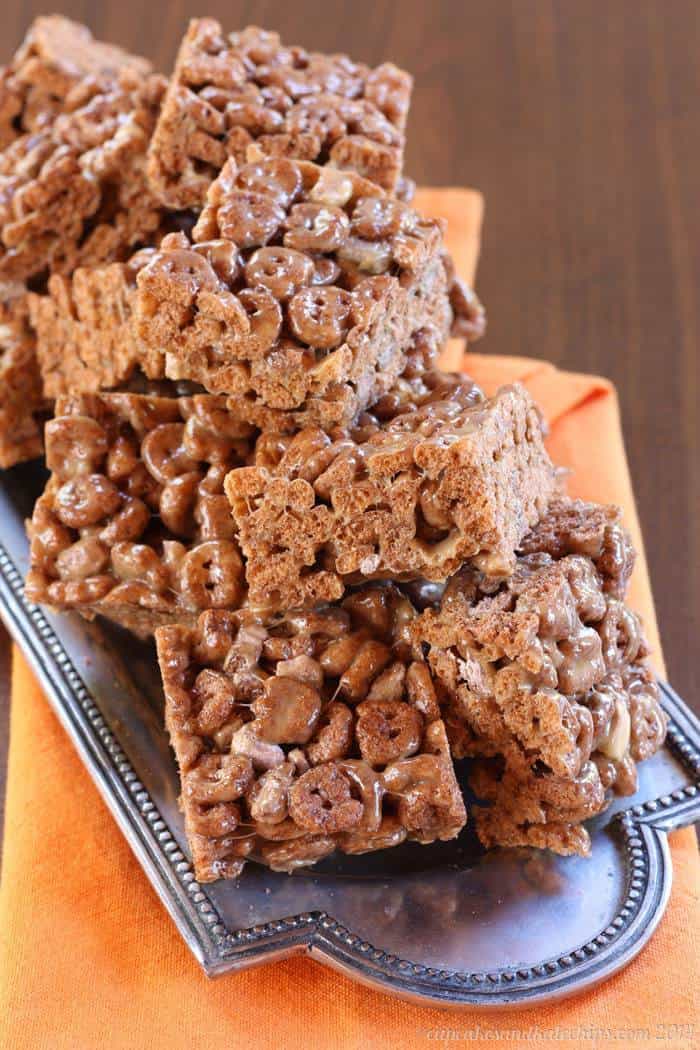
(447, 924)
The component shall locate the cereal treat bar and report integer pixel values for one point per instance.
(533, 806)
(85, 336)
(543, 672)
(86, 341)
(450, 478)
(84, 332)
(311, 735)
(54, 57)
(301, 291)
(75, 193)
(595, 530)
(134, 523)
(230, 92)
(22, 404)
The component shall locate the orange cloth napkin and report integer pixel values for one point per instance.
(89, 958)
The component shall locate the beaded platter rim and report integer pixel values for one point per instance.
(641, 831)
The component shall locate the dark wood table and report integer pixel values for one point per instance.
(579, 121)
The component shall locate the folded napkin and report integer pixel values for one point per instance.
(89, 958)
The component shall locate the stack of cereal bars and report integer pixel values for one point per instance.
(218, 297)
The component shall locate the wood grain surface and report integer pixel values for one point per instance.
(579, 120)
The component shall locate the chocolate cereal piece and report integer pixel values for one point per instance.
(228, 92)
(74, 193)
(450, 478)
(302, 738)
(55, 56)
(134, 523)
(22, 403)
(300, 291)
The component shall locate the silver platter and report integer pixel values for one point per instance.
(448, 924)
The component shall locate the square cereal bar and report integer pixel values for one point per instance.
(137, 470)
(450, 478)
(543, 673)
(54, 57)
(22, 404)
(230, 92)
(87, 338)
(535, 807)
(300, 291)
(86, 341)
(84, 334)
(134, 523)
(595, 530)
(299, 739)
(74, 193)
